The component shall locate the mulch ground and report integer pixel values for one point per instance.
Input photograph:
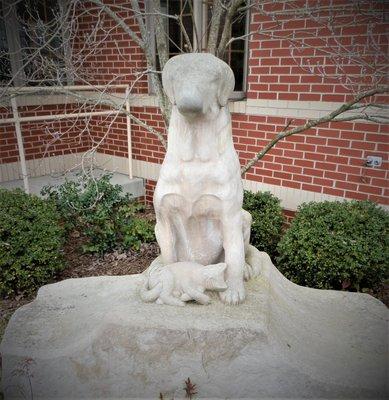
(128, 262)
(115, 263)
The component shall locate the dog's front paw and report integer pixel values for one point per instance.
(235, 294)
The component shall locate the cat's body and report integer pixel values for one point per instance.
(176, 283)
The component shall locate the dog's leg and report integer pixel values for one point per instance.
(251, 269)
(247, 220)
(166, 240)
(233, 244)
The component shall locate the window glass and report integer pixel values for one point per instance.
(38, 23)
(177, 42)
(5, 64)
(234, 54)
(35, 23)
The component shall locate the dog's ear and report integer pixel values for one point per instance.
(168, 79)
(226, 84)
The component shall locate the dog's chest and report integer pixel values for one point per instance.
(196, 175)
(178, 205)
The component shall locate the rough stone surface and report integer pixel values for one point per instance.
(93, 338)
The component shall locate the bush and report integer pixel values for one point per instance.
(101, 213)
(268, 219)
(335, 245)
(31, 241)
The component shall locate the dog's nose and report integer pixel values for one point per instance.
(190, 106)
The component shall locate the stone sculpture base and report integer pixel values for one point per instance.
(93, 338)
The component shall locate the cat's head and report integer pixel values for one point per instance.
(214, 277)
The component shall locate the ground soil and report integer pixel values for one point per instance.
(115, 263)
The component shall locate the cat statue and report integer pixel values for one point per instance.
(174, 284)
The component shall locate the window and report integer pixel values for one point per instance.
(235, 55)
(31, 47)
(177, 42)
(5, 64)
(196, 18)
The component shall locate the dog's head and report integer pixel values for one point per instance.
(197, 83)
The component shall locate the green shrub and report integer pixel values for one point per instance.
(101, 213)
(134, 231)
(86, 200)
(268, 219)
(31, 241)
(335, 245)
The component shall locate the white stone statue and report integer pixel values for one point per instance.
(199, 194)
(175, 284)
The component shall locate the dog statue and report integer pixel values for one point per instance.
(199, 194)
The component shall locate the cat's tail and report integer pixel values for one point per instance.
(147, 295)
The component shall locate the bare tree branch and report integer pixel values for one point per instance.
(141, 23)
(226, 33)
(120, 22)
(184, 32)
(217, 12)
(332, 116)
(160, 35)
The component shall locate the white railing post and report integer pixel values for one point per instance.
(19, 139)
(129, 144)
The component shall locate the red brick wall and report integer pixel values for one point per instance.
(42, 139)
(328, 159)
(149, 190)
(114, 132)
(298, 57)
(288, 215)
(112, 57)
(8, 145)
(145, 146)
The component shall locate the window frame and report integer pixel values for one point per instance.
(200, 15)
(13, 41)
(15, 50)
